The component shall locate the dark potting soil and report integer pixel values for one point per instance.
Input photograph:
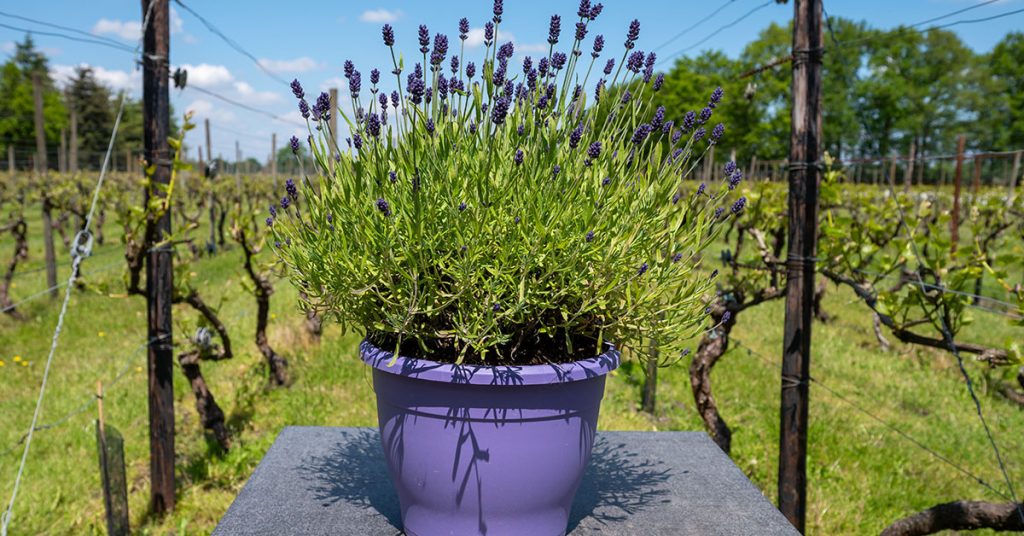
(533, 349)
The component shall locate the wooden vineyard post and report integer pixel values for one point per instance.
(752, 171)
(110, 446)
(1015, 171)
(62, 153)
(159, 267)
(804, 176)
(208, 174)
(238, 165)
(976, 185)
(909, 177)
(954, 221)
(10, 160)
(73, 146)
(41, 168)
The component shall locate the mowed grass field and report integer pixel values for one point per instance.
(862, 475)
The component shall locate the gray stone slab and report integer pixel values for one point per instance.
(318, 480)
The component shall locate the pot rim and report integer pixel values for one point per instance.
(496, 375)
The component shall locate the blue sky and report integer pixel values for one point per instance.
(311, 40)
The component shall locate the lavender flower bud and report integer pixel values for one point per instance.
(667, 128)
(658, 82)
(705, 114)
(354, 83)
(718, 212)
(701, 188)
(642, 270)
(389, 35)
(626, 95)
(738, 206)
(374, 76)
(506, 51)
(734, 179)
(609, 66)
(676, 197)
(659, 118)
(470, 70)
(590, 236)
(641, 133)
(677, 257)
(555, 171)
(440, 49)
(291, 189)
(717, 132)
(430, 126)
(635, 62)
(304, 109)
(575, 136)
(394, 99)
(297, 89)
(424, 35)
(295, 144)
(393, 177)
(285, 203)
(554, 28)
(558, 60)
(650, 60)
(273, 211)
(542, 67)
(357, 141)
(384, 207)
(598, 46)
(521, 129)
(595, 11)
(633, 34)
(500, 110)
(699, 134)
(323, 103)
(581, 31)
(716, 97)
(584, 10)
(488, 33)
(518, 158)
(498, 10)
(594, 150)
(349, 68)
(688, 120)
(463, 28)
(373, 125)
(270, 222)
(606, 181)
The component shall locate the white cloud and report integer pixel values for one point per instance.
(129, 30)
(256, 98)
(117, 80)
(204, 109)
(7, 46)
(208, 76)
(475, 38)
(177, 25)
(296, 65)
(336, 81)
(380, 15)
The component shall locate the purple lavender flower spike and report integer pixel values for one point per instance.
(348, 68)
(430, 127)
(699, 134)
(735, 179)
(688, 121)
(705, 114)
(676, 258)
(590, 236)
(584, 10)
(642, 270)
(455, 65)
(394, 99)
(595, 11)
(389, 35)
(383, 206)
(676, 135)
(633, 34)
(373, 125)
(506, 51)
(594, 151)
(295, 144)
(659, 118)
(558, 60)
(354, 83)
(598, 46)
(717, 132)
(285, 203)
(701, 188)
(667, 128)
(738, 206)
(470, 70)
(676, 197)
(440, 50)
(270, 222)
(606, 181)
(304, 109)
(518, 158)
(291, 189)
(581, 31)
(626, 95)
(556, 170)
(462, 206)
(374, 76)
(273, 211)
(499, 8)
(383, 100)
(718, 212)
(323, 103)
(575, 136)
(463, 28)
(730, 166)
(635, 61)
(488, 33)
(297, 89)
(500, 109)
(393, 177)
(424, 36)
(521, 129)
(716, 97)
(609, 66)
(542, 67)
(641, 133)
(357, 141)
(658, 82)
(554, 28)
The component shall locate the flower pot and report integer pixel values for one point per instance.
(486, 450)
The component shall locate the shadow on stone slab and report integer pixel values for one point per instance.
(355, 472)
(618, 482)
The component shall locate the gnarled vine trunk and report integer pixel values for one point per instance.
(711, 348)
(960, 515)
(209, 411)
(19, 230)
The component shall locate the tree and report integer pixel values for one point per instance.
(91, 100)
(17, 104)
(1004, 113)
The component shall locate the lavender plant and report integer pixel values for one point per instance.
(500, 212)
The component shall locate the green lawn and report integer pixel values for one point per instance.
(862, 476)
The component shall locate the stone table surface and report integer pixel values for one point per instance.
(320, 480)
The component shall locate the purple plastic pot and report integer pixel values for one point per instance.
(487, 450)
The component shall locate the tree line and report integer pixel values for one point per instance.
(883, 91)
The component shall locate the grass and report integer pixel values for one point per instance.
(862, 476)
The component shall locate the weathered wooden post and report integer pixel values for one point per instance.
(41, 168)
(159, 267)
(954, 221)
(334, 122)
(1015, 172)
(804, 176)
(909, 177)
(110, 445)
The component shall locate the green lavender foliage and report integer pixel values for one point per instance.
(432, 230)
